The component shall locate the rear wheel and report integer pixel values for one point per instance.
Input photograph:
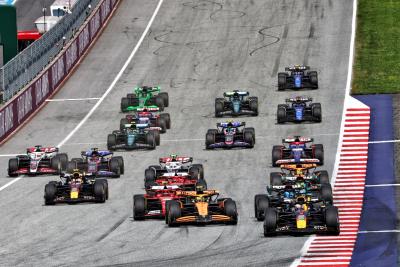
(72, 165)
(313, 78)
(174, 212)
(63, 161)
(319, 153)
(231, 211)
(249, 138)
(124, 104)
(167, 118)
(151, 140)
(219, 107)
(111, 141)
(332, 220)
(276, 155)
(121, 164)
(139, 207)
(50, 191)
(55, 163)
(105, 184)
(164, 96)
(12, 167)
(201, 183)
(131, 96)
(157, 137)
(316, 112)
(200, 168)
(163, 125)
(282, 80)
(281, 115)
(326, 193)
(270, 222)
(261, 203)
(159, 102)
(115, 168)
(122, 123)
(194, 173)
(275, 178)
(149, 177)
(99, 192)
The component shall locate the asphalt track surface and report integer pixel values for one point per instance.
(28, 11)
(194, 50)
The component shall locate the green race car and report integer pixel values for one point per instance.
(145, 97)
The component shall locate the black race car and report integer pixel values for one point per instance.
(236, 103)
(134, 136)
(76, 187)
(229, 135)
(296, 149)
(299, 77)
(298, 109)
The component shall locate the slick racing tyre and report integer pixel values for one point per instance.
(55, 163)
(316, 112)
(231, 211)
(281, 114)
(323, 177)
(313, 79)
(114, 167)
(276, 155)
(201, 183)
(332, 220)
(194, 173)
(167, 118)
(174, 212)
(200, 168)
(270, 222)
(151, 140)
(253, 104)
(164, 96)
(50, 191)
(253, 132)
(249, 138)
(261, 203)
(219, 107)
(159, 103)
(122, 123)
(131, 96)
(124, 104)
(319, 153)
(111, 141)
(326, 193)
(105, 184)
(139, 207)
(282, 81)
(99, 191)
(63, 161)
(163, 125)
(210, 139)
(121, 164)
(12, 167)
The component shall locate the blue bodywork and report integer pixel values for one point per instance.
(299, 112)
(298, 77)
(101, 153)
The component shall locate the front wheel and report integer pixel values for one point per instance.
(12, 167)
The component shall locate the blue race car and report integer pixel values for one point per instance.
(298, 78)
(294, 150)
(98, 163)
(236, 103)
(298, 109)
(229, 135)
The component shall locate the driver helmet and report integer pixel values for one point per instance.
(297, 206)
(38, 148)
(235, 95)
(173, 157)
(298, 98)
(173, 166)
(288, 194)
(199, 189)
(229, 124)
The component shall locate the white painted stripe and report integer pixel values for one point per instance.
(333, 241)
(9, 155)
(326, 258)
(355, 162)
(10, 183)
(359, 203)
(72, 99)
(383, 141)
(348, 220)
(330, 245)
(381, 185)
(109, 89)
(379, 231)
(339, 188)
(348, 201)
(327, 254)
(331, 249)
(328, 263)
(350, 209)
(349, 212)
(350, 193)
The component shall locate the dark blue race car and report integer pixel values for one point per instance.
(299, 109)
(298, 78)
(99, 163)
(229, 135)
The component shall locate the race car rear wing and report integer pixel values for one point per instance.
(179, 159)
(148, 89)
(234, 124)
(298, 99)
(294, 68)
(239, 93)
(298, 166)
(300, 138)
(150, 109)
(288, 161)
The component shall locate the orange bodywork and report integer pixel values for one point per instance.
(202, 208)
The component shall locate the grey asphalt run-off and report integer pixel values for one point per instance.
(195, 50)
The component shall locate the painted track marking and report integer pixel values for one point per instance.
(72, 99)
(109, 89)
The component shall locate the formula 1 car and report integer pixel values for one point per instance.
(145, 97)
(292, 172)
(153, 203)
(229, 135)
(311, 189)
(236, 103)
(295, 149)
(200, 207)
(152, 116)
(134, 136)
(100, 163)
(298, 78)
(76, 187)
(38, 160)
(297, 110)
(176, 165)
(301, 217)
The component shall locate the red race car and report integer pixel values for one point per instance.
(156, 120)
(38, 160)
(153, 203)
(185, 182)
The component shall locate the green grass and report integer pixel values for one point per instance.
(376, 68)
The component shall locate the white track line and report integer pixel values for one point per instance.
(379, 231)
(383, 141)
(109, 89)
(381, 185)
(72, 99)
